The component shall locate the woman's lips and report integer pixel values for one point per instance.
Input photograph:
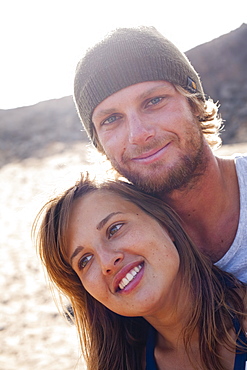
(129, 277)
(126, 275)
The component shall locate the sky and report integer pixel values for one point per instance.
(41, 41)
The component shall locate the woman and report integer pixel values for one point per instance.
(143, 296)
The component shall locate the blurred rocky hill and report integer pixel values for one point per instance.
(222, 65)
(40, 130)
(52, 126)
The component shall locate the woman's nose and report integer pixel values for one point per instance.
(110, 261)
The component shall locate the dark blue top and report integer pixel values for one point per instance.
(240, 358)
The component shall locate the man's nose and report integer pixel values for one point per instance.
(140, 131)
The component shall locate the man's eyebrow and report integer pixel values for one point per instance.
(106, 219)
(104, 113)
(74, 254)
(155, 89)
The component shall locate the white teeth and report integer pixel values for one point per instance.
(129, 277)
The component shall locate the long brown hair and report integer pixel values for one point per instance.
(110, 341)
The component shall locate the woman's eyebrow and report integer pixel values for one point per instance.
(104, 221)
(74, 254)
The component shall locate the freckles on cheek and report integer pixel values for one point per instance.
(87, 286)
(96, 289)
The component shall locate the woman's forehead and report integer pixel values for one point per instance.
(104, 199)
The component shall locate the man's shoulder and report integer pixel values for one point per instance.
(240, 156)
(241, 162)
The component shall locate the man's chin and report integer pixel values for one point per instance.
(149, 184)
(178, 177)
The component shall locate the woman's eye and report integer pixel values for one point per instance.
(113, 229)
(84, 261)
(154, 101)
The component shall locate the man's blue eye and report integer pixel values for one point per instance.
(155, 100)
(109, 120)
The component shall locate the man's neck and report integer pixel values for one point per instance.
(210, 208)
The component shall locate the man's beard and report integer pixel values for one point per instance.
(184, 174)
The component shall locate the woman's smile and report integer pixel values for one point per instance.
(124, 258)
(130, 277)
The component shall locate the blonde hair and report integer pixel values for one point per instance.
(208, 115)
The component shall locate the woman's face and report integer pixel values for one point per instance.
(124, 258)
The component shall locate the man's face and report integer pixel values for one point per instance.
(151, 136)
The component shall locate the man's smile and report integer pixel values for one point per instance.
(152, 155)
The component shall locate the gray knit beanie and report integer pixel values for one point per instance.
(128, 56)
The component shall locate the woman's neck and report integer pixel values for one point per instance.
(171, 320)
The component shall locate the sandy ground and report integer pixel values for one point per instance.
(33, 335)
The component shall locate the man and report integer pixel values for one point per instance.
(143, 106)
